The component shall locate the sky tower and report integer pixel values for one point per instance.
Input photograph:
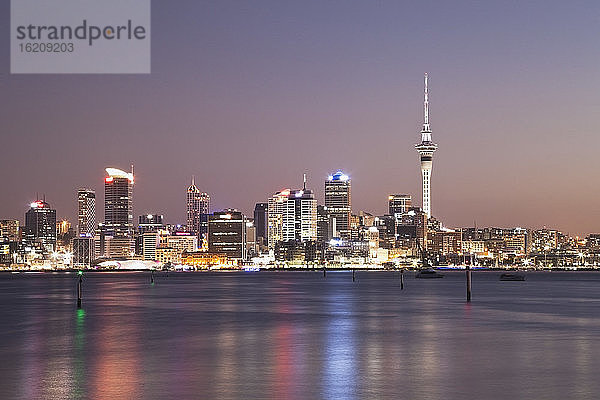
(426, 149)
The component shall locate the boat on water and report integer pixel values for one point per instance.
(512, 276)
(428, 273)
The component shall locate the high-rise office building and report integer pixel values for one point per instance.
(338, 201)
(260, 220)
(118, 214)
(399, 203)
(322, 224)
(86, 212)
(197, 207)
(426, 149)
(227, 234)
(40, 225)
(292, 215)
(118, 202)
(150, 223)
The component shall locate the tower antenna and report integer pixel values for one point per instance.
(426, 127)
(304, 187)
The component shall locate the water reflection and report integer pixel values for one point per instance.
(297, 336)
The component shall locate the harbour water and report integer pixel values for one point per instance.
(296, 335)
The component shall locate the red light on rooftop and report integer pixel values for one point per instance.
(108, 179)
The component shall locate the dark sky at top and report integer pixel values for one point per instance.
(249, 95)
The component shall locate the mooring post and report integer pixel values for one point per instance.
(353, 275)
(152, 277)
(324, 272)
(468, 272)
(402, 279)
(79, 291)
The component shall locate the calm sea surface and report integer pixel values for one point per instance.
(295, 335)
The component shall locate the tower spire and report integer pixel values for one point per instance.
(426, 127)
(193, 180)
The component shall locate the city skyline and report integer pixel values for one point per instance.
(515, 89)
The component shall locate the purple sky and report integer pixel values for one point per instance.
(247, 96)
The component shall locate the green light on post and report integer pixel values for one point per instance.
(80, 273)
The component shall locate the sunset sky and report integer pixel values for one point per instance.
(249, 95)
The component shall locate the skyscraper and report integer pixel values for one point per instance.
(260, 220)
(227, 234)
(86, 212)
(118, 202)
(399, 203)
(426, 149)
(117, 234)
(338, 201)
(197, 207)
(40, 225)
(292, 215)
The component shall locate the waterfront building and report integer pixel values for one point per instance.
(180, 241)
(149, 245)
(227, 234)
(86, 212)
(118, 202)
(83, 251)
(118, 213)
(168, 255)
(205, 260)
(338, 200)
(426, 149)
(444, 242)
(292, 215)
(40, 225)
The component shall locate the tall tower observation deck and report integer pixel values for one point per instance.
(426, 149)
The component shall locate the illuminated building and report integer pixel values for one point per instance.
(338, 201)
(40, 225)
(399, 203)
(180, 241)
(168, 255)
(227, 234)
(118, 202)
(63, 227)
(473, 247)
(198, 205)
(426, 149)
(251, 245)
(149, 244)
(292, 216)
(118, 213)
(9, 228)
(150, 223)
(205, 260)
(83, 251)
(86, 212)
